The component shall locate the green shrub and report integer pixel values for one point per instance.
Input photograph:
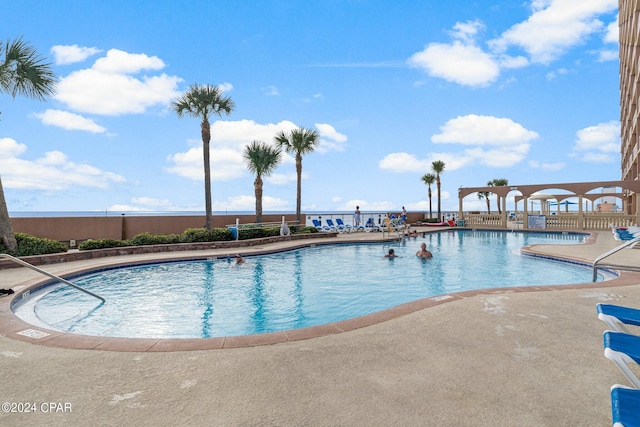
(31, 245)
(194, 235)
(256, 233)
(144, 239)
(304, 230)
(221, 234)
(88, 245)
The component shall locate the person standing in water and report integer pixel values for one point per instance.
(423, 252)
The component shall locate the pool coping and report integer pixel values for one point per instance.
(11, 326)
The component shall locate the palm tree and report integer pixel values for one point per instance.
(22, 72)
(202, 102)
(499, 182)
(485, 195)
(428, 179)
(437, 167)
(261, 160)
(299, 141)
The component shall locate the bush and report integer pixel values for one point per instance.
(256, 233)
(88, 245)
(304, 230)
(193, 235)
(144, 239)
(31, 245)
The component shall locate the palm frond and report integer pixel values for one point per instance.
(261, 158)
(24, 72)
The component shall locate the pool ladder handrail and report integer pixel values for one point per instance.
(626, 244)
(53, 276)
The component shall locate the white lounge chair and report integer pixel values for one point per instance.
(623, 350)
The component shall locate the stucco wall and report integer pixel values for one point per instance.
(79, 229)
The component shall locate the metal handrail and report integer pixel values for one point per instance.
(611, 252)
(53, 276)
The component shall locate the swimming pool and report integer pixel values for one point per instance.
(294, 289)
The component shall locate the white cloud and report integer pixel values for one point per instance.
(547, 167)
(598, 144)
(228, 139)
(608, 55)
(270, 91)
(248, 203)
(109, 87)
(119, 62)
(403, 162)
(495, 142)
(375, 206)
(70, 54)
(69, 121)
(465, 64)
(483, 130)
(554, 27)
(552, 75)
(52, 172)
(225, 87)
(282, 179)
(10, 148)
(330, 139)
(613, 32)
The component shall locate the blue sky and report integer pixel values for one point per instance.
(527, 91)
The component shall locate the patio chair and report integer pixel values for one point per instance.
(333, 227)
(616, 317)
(371, 225)
(347, 227)
(625, 402)
(318, 225)
(623, 350)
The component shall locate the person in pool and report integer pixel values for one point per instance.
(391, 254)
(239, 259)
(423, 252)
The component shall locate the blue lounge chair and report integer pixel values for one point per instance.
(625, 403)
(371, 225)
(332, 226)
(616, 317)
(623, 350)
(348, 228)
(318, 225)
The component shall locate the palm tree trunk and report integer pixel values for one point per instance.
(299, 192)
(430, 208)
(439, 206)
(8, 238)
(258, 192)
(206, 138)
(498, 203)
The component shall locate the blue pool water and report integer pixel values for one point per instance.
(294, 289)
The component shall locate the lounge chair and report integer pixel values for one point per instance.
(318, 225)
(347, 227)
(625, 402)
(616, 317)
(623, 350)
(371, 225)
(333, 227)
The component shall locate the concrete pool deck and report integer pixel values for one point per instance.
(522, 356)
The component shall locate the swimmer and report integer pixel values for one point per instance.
(391, 254)
(239, 260)
(423, 252)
